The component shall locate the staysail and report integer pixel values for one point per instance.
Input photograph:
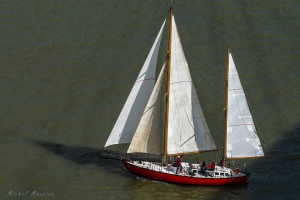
(187, 128)
(147, 138)
(134, 107)
(242, 138)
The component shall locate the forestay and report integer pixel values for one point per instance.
(147, 138)
(242, 139)
(134, 107)
(187, 131)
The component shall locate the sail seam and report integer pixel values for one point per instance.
(147, 79)
(239, 125)
(235, 89)
(181, 82)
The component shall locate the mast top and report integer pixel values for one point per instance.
(170, 6)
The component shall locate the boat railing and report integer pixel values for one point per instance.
(196, 159)
(118, 155)
(152, 162)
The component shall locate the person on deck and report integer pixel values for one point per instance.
(203, 166)
(179, 163)
(211, 166)
(221, 163)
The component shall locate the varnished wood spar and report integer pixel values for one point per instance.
(244, 158)
(192, 152)
(225, 109)
(165, 153)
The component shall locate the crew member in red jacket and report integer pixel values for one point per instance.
(212, 166)
(179, 163)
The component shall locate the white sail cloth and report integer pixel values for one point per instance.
(187, 128)
(147, 138)
(134, 107)
(242, 139)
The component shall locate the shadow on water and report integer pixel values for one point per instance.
(287, 151)
(80, 155)
(278, 173)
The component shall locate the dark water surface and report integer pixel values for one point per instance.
(67, 68)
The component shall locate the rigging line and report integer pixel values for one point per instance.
(147, 79)
(239, 125)
(141, 75)
(187, 140)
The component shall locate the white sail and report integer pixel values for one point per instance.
(147, 138)
(133, 109)
(187, 128)
(242, 139)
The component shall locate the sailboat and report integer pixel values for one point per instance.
(185, 128)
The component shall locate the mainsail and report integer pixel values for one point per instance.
(134, 107)
(187, 128)
(242, 139)
(147, 138)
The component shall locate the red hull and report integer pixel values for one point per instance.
(188, 180)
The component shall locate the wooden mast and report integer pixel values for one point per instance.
(165, 153)
(225, 109)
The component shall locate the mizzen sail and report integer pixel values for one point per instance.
(147, 138)
(187, 128)
(242, 139)
(134, 107)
